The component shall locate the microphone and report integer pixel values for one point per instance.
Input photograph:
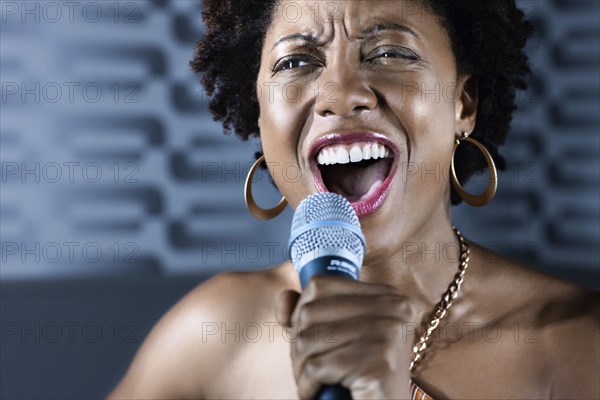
(326, 239)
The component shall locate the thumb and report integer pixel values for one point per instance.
(284, 306)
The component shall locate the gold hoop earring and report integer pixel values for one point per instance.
(490, 191)
(255, 210)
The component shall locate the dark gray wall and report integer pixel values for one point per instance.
(119, 193)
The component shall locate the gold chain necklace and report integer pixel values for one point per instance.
(444, 305)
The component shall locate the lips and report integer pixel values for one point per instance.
(359, 166)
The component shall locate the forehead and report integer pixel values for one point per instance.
(319, 18)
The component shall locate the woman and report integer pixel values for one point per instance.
(365, 97)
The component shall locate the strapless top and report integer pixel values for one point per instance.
(416, 393)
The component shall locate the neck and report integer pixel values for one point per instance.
(422, 268)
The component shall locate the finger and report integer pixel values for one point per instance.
(284, 306)
(329, 286)
(323, 285)
(360, 333)
(318, 373)
(330, 369)
(362, 370)
(336, 308)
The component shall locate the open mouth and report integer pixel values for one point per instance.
(361, 171)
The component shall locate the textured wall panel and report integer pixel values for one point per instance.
(112, 165)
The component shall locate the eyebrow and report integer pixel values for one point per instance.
(369, 32)
(374, 30)
(296, 36)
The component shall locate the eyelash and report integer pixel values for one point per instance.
(397, 52)
(280, 65)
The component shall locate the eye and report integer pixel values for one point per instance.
(295, 61)
(393, 52)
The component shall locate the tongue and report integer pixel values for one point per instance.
(356, 181)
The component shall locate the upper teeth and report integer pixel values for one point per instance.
(343, 154)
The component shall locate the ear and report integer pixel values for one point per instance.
(466, 104)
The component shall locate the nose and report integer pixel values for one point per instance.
(344, 92)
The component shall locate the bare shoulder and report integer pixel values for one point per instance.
(529, 287)
(570, 334)
(196, 338)
(566, 316)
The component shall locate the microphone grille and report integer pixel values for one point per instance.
(326, 206)
(313, 230)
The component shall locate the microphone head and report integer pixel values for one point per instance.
(325, 224)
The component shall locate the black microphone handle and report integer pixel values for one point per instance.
(334, 392)
(322, 266)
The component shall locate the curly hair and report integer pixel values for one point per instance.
(488, 40)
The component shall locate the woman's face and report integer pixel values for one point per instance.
(362, 98)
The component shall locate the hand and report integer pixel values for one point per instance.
(350, 333)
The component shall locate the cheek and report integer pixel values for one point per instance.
(430, 104)
(426, 112)
(279, 133)
(426, 108)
